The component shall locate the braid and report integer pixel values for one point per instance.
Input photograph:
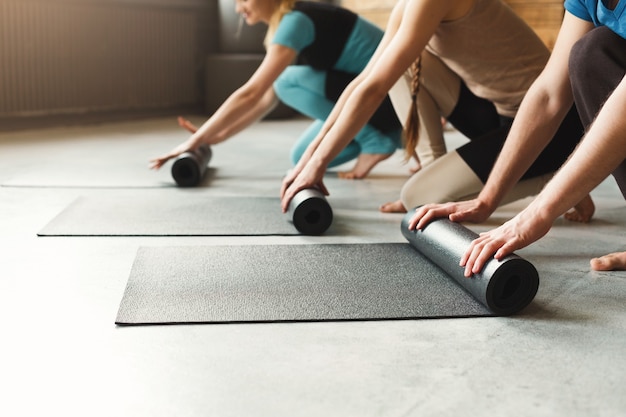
(411, 131)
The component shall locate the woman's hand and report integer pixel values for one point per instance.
(186, 146)
(308, 177)
(187, 125)
(475, 211)
(522, 230)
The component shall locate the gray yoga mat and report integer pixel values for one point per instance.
(505, 286)
(421, 278)
(170, 214)
(223, 284)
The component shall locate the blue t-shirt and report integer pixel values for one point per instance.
(297, 31)
(595, 11)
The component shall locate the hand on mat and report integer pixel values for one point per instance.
(517, 233)
(186, 146)
(297, 180)
(475, 211)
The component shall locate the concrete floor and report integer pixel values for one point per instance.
(565, 355)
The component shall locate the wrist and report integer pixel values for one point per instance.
(488, 201)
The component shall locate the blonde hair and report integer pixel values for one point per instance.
(283, 7)
(411, 131)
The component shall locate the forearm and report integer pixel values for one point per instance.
(358, 109)
(392, 27)
(535, 124)
(602, 149)
(330, 120)
(252, 114)
(239, 110)
(248, 102)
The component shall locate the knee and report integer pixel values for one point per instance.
(286, 81)
(290, 80)
(410, 194)
(297, 151)
(588, 55)
(405, 197)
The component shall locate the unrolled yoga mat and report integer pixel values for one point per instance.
(170, 214)
(222, 284)
(324, 282)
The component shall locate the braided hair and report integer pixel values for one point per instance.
(411, 131)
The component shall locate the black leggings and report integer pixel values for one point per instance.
(597, 65)
(478, 119)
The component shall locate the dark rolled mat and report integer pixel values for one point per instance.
(278, 283)
(310, 212)
(505, 286)
(189, 168)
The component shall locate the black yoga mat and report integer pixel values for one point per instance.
(189, 168)
(420, 279)
(310, 212)
(181, 214)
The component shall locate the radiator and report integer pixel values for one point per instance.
(59, 57)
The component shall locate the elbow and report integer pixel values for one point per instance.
(554, 102)
(371, 95)
(248, 94)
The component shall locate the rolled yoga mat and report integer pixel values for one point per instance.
(505, 286)
(189, 168)
(310, 212)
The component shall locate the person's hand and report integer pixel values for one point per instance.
(187, 125)
(475, 211)
(187, 146)
(519, 232)
(288, 180)
(308, 177)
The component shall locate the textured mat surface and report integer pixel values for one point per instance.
(170, 214)
(217, 284)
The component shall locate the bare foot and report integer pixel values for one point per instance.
(364, 164)
(582, 212)
(415, 169)
(393, 207)
(611, 262)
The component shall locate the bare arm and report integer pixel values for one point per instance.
(392, 27)
(418, 23)
(600, 152)
(545, 105)
(245, 106)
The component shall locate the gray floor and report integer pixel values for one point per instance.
(63, 355)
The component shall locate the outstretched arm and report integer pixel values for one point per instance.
(599, 154)
(417, 24)
(392, 27)
(245, 106)
(545, 105)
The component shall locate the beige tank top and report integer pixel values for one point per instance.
(493, 51)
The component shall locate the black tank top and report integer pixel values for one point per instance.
(333, 26)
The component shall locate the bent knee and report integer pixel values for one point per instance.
(588, 53)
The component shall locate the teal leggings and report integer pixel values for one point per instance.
(303, 88)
